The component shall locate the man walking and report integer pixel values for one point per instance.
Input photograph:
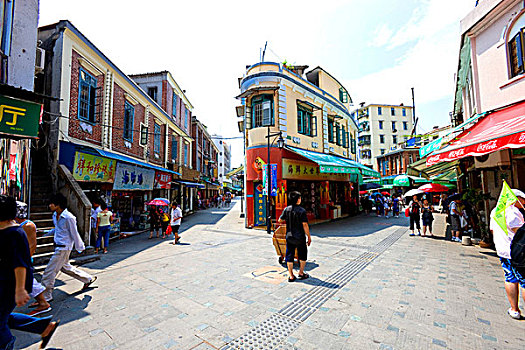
(66, 238)
(513, 279)
(296, 231)
(176, 220)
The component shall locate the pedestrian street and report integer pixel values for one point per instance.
(371, 287)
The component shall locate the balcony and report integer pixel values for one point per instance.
(364, 128)
(364, 143)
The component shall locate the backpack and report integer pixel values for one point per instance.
(517, 249)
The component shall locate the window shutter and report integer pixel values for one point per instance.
(353, 146)
(519, 51)
(314, 125)
(267, 113)
(300, 121)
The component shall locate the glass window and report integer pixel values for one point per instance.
(343, 95)
(394, 126)
(394, 139)
(379, 110)
(143, 135)
(306, 122)
(405, 125)
(198, 163)
(262, 111)
(6, 25)
(382, 138)
(174, 147)
(404, 111)
(330, 130)
(392, 111)
(338, 134)
(87, 96)
(152, 92)
(186, 154)
(174, 105)
(186, 118)
(380, 125)
(156, 138)
(382, 151)
(516, 48)
(129, 116)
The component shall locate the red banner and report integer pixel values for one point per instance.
(162, 180)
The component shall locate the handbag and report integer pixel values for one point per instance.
(407, 212)
(168, 230)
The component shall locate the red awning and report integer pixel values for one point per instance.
(498, 130)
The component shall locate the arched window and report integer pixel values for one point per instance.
(516, 46)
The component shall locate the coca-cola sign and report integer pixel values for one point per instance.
(487, 146)
(456, 153)
(433, 160)
(521, 139)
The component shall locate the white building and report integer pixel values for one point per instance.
(224, 158)
(381, 129)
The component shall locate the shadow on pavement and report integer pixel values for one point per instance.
(361, 225)
(314, 281)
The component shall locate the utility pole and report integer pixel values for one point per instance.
(414, 120)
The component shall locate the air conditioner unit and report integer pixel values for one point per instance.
(493, 160)
(40, 60)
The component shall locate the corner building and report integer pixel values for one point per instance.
(311, 110)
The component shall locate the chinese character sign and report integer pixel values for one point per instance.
(130, 177)
(88, 167)
(18, 117)
(274, 179)
(162, 180)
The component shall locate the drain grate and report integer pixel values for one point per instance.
(271, 333)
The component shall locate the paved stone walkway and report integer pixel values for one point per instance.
(372, 287)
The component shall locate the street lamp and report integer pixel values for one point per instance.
(280, 144)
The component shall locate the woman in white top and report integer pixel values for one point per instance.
(176, 219)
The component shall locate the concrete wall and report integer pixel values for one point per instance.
(21, 66)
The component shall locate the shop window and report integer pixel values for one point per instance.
(306, 122)
(174, 148)
(262, 111)
(380, 125)
(87, 96)
(392, 111)
(516, 47)
(156, 138)
(379, 111)
(143, 135)
(129, 116)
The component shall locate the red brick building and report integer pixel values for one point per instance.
(396, 162)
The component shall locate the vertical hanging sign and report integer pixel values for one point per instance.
(274, 179)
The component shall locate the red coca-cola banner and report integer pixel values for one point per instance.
(162, 180)
(499, 130)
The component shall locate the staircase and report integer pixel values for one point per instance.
(41, 215)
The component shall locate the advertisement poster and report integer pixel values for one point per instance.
(273, 167)
(88, 167)
(131, 177)
(162, 180)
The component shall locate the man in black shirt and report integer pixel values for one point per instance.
(296, 231)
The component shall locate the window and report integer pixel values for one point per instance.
(380, 125)
(404, 111)
(174, 148)
(198, 163)
(394, 126)
(152, 92)
(330, 130)
(382, 138)
(405, 125)
(409, 159)
(87, 96)
(174, 105)
(129, 116)
(262, 111)
(6, 25)
(394, 139)
(379, 111)
(516, 51)
(156, 138)
(186, 154)
(338, 134)
(306, 122)
(382, 151)
(343, 95)
(143, 135)
(392, 111)
(185, 118)
(344, 136)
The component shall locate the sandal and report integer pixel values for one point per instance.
(33, 305)
(290, 279)
(304, 276)
(47, 338)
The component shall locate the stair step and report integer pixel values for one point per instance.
(40, 260)
(44, 240)
(43, 230)
(40, 215)
(42, 208)
(45, 248)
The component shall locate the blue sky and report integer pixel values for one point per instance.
(378, 49)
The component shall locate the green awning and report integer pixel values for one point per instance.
(401, 180)
(333, 164)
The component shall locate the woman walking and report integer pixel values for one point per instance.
(414, 209)
(154, 222)
(164, 222)
(104, 219)
(428, 217)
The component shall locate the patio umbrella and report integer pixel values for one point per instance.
(455, 196)
(159, 202)
(433, 188)
(413, 192)
(402, 180)
(385, 193)
(363, 192)
(369, 186)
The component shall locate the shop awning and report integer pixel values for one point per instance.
(332, 164)
(190, 184)
(420, 168)
(133, 161)
(499, 130)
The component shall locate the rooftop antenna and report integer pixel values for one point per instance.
(264, 51)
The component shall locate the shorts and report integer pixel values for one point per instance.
(154, 226)
(454, 223)
(302, 251)
(175, 228)
(427, 221)
(512, 275)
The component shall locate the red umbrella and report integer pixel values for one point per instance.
(385, 193)
(159, 202)
(433, 188)
(363, 192)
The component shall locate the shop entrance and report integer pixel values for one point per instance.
(259, 205)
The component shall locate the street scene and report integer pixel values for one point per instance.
(180, 176)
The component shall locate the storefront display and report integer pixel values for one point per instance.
(130, 207)
(14, 168)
